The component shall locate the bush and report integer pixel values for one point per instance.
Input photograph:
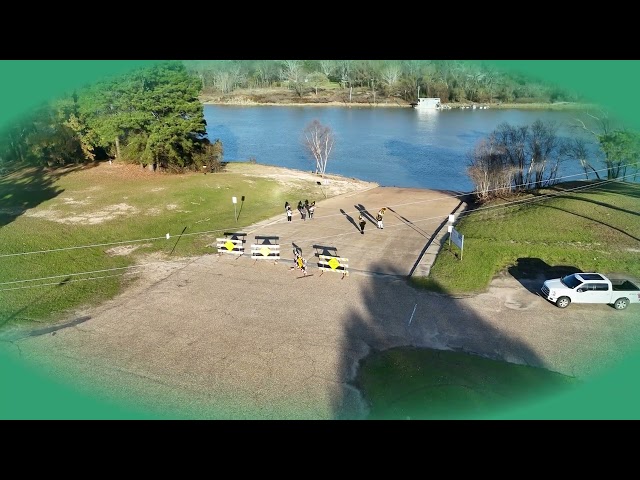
(209, 157)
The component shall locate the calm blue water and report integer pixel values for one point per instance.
(400, 147)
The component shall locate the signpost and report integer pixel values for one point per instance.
(235, 213)
(457, 238)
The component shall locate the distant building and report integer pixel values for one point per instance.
(430, 103)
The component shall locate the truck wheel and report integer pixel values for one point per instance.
(621, 303)
(563, 302)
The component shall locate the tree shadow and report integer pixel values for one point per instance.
(12, 319)
(28, 187)
(592, 219)
(396, 314)
(628, 189)
(532, 272)
(596, 202)
(350, 218)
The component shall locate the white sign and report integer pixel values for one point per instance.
(457, 239)
(234, 199)
(452, 219)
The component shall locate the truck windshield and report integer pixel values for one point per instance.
(570, 281)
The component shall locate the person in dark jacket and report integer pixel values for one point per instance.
(362, 223)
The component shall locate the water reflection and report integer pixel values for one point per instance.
(402, 147)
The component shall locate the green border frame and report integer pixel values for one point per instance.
(26, 394)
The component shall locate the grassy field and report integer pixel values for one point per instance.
(102, 205)
(409, 383)
(589, 229)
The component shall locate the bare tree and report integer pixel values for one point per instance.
(266, 72)
(517, 158)
(319, 140)
(577, 149)
(327, 67)
(544, 146)
(316, 80)
(345, 70)
(489, 169)
(293, 73)
(391, 74)
(619, 146)
(513, 145)
(596, 125)
(228, 76)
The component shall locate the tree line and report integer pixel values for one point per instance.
(151, 116)
(516, 158)
(449, 80)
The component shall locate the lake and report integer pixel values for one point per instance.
(402, 147)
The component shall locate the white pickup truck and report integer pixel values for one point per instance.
(590, 288)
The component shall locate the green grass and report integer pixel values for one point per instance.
(153, 205)
(595, 229)
(411, 383)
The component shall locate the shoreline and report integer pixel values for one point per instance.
(449, 106)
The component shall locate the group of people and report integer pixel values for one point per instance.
(379, 217)
(300, 262)
(305, 209)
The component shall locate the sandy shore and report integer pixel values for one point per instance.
(330, 184)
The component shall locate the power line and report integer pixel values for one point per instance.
(235, 227)
(438, 218)
(505, 205)
(86, 273)
(69, 281)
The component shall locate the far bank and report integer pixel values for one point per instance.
(241, 101)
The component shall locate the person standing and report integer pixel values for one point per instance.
(379, 217)
(362, 222)
(312, 209)
(287, 209)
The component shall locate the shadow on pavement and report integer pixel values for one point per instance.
(532, 272)
(350, 218)
(399, 315)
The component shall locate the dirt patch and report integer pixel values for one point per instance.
(90, 218)
(124, 249)
(331, 185)
(71, 201)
